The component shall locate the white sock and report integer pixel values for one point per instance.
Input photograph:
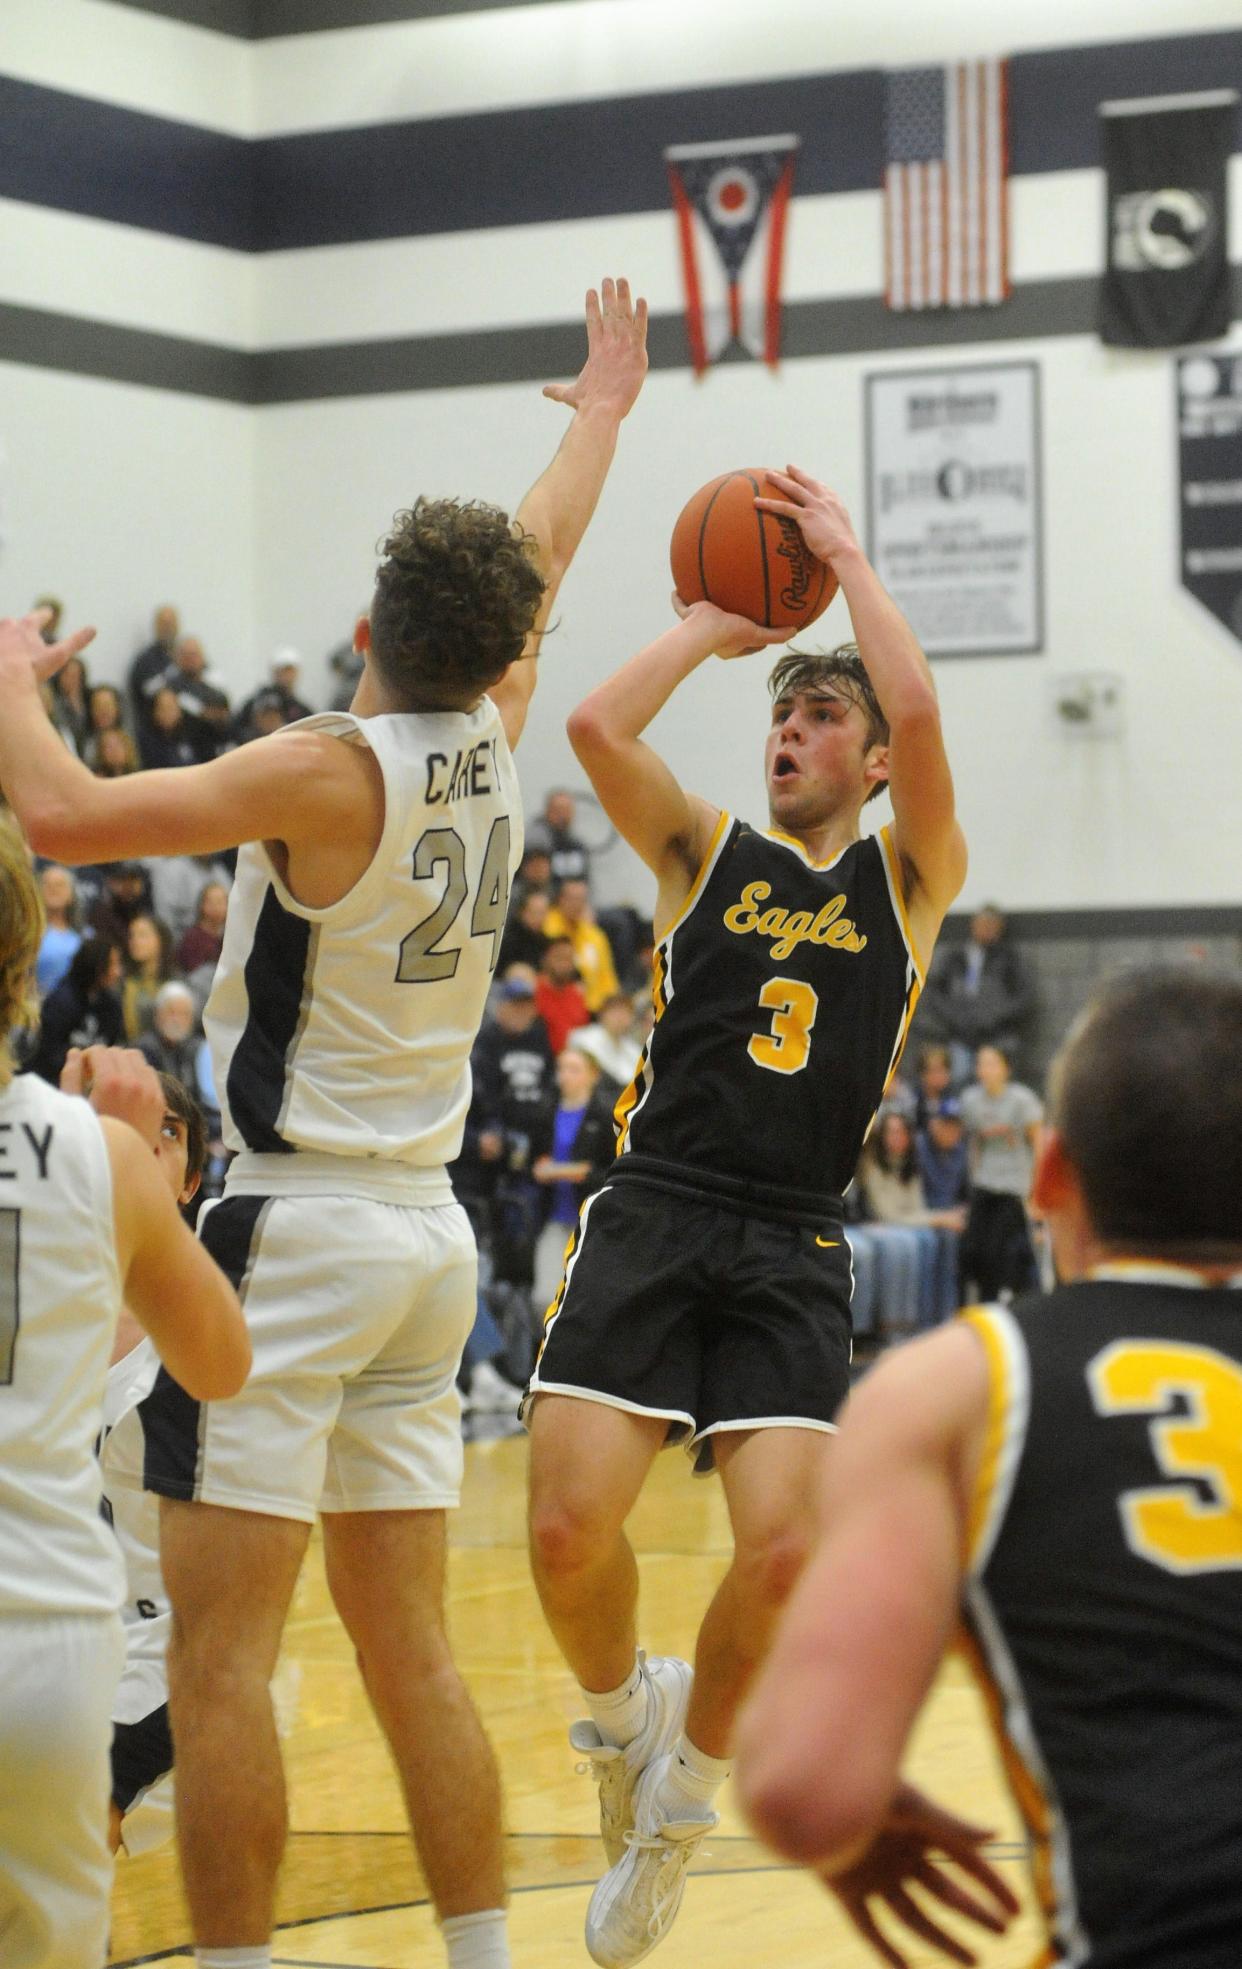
(234, 1958)
(691, 1781)
(619, 1714)
(477, 1941)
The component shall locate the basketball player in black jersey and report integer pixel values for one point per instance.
(706, 1294)
(1066, 1477)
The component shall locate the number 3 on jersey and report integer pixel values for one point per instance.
(1195, 1398)
(423, 957)
(786, 1047)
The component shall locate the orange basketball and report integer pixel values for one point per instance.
(755, 564)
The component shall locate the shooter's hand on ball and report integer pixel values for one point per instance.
(728, 635)
(819, 512)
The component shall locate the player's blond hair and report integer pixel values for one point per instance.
(21, 932)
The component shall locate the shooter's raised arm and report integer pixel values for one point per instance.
(920, 783)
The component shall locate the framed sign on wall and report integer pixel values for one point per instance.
(954, 502)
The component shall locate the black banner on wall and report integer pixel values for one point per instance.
(1166, 281)
(1209, 418)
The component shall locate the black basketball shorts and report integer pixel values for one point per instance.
(680, 1305)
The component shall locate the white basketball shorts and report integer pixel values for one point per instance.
(358, 1312)
(59, 1674)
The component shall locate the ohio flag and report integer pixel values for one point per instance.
(731, 202)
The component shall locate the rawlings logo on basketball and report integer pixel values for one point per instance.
(802, 564)
(788, 928)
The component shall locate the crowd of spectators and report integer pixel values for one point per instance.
(174, 711)
(131, 947)
(937, 1215)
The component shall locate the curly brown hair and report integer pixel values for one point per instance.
(456, 596)
(21, 931)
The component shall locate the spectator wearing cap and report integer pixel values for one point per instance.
(558, 994)
(277, 703)
(511, 1063)
(943, 1156)
(571, 916)
(553, 832)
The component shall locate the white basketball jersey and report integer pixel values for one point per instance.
(60, 1295)
(135, 1519)
(348, 1030)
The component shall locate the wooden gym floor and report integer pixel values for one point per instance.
(351, 1895)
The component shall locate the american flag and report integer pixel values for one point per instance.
(946, 230)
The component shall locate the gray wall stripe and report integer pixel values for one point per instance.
(1093, 925)
(477, 357)
(125, 355)
(236, 17)
(529, 165)
(263, 20)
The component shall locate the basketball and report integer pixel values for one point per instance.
(756, 564)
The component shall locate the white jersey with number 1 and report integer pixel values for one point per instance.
(60, 1294)
(347, 1030)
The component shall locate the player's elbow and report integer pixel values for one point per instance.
(587, 730)
(50, 829)
(810, 1816)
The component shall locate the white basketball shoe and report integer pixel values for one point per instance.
(616, 1772)
(637, 1900)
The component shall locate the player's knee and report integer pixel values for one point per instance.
(766, 1569)
(205, 1669)
(566, 1537)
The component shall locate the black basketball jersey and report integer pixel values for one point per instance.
(783, 993)
(1103, 1609)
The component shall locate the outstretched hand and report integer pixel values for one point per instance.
(22, 647)
(731, 635)
(909, 1851)
(616, 360)
(819, 512)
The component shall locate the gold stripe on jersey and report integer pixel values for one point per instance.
(705, 869)
(660, 993)
(1005, 1435)
(892, 866)
(1029, 1795)
(799, 847)
(641, 1081)
(573, 1244)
